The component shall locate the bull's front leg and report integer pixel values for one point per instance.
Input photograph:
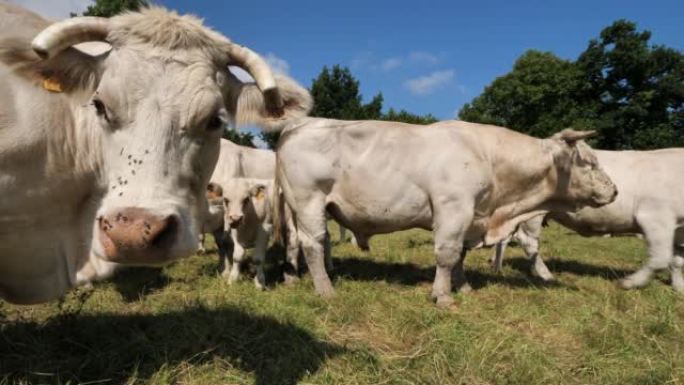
(450, 223)
(658, 228)
(239, 253)
(223, 247)
(259, 256)
(200, 245)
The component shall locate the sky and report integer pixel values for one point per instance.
(424, 56)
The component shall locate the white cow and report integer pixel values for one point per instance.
(108, 156)
(650, 202)
(247, 206)
(462, 180)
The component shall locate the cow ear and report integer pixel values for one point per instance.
(258, 191)
(571, 136)
(247, 105)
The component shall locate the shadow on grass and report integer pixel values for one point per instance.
(137, 282)
(114, 348)
(411, 274)
(569, 266)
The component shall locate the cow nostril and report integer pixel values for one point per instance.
(166, 235)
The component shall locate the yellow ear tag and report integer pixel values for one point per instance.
(260, 195)
(52, 85)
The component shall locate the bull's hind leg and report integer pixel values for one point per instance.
(291, 269)
(499, 251)
(676, 272)
(659, 229)
(450, 223)
(311, 230)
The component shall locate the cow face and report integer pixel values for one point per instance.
(242, 199)
(155, 107)
(581, 180)
(160, 126)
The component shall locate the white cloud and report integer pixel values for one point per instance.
(54, 9)
(427, 84)
(423, 57)
(278, 65)
(390, 64)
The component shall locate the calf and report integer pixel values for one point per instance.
(248, 223)
(466, 182)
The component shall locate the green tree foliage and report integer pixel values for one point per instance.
(636, 89)
(628, 90)
(336, 96)
(109, 8)
(238, 137)
(407, 117)
(536, 97)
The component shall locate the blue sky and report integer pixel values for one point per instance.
(424, 56)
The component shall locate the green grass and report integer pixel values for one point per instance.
(184, 325)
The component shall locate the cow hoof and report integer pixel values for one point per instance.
(444, 301)
(259, 286)
(636, 280)
(201, 251)
(678, 284)
(290, 279)
(545, 276)
(328, 292)
(465, 288)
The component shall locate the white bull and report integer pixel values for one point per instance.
(650, 202)
(108, 156)
(462, 180)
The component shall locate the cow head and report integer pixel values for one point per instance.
(243, 198)
(580, 179)
(155, 106)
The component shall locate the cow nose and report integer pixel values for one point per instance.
(615, 193)
(235, 220)
(134, 235)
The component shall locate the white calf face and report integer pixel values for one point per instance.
(242, 198)
(161, 122)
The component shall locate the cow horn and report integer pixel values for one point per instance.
(66, 33)
(260, 71)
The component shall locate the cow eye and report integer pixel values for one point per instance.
(100, 109)
(215, 123)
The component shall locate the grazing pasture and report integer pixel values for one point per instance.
(184, 325)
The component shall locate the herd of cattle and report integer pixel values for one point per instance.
(115, 158)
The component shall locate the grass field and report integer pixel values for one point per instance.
(184, 325)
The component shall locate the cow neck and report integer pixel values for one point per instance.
(524, 181)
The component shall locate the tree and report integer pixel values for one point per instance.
(407, 117)
(638, 89)
(628, 90)
(109, 8)
(536, 97)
